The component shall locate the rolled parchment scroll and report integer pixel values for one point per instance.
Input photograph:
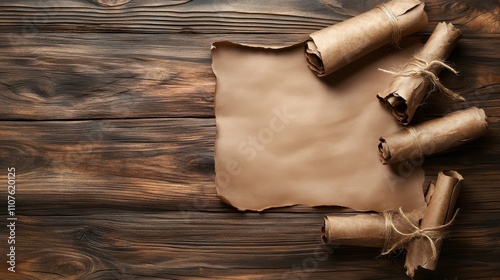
(392, 230)
(367, 230)
(441, 197)
(410, 86)
(338, 45)
(434, 136)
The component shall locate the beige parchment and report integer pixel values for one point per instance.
(287, 137)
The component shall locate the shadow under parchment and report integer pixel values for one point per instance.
(287, 137)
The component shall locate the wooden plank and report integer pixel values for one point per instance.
(165, 164)
(70, 77)
(123, 245)
(111, 163)
(98, 75)
(225, 16)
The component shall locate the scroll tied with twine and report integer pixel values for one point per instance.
(429, 234)
(423, 68)
(420, 75)
(334, 47)
(414, 142)
(399, 230)
(441, 198)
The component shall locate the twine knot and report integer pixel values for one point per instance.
(422, 69)
(430, 234)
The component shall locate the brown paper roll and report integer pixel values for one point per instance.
(407, 90)
(441, 197)
(367, 230)
(434, 136)
(338, 45)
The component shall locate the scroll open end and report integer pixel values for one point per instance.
(287, 137)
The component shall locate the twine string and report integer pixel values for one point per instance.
(414, 133)
(396, 30)
(387, 230)
(422, 69)
(430, 234)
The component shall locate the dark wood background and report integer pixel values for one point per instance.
(106, 112)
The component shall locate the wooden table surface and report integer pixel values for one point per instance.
(106, 114)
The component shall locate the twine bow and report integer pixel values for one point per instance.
(423, 69)
(430, 233)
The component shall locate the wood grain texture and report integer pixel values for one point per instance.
(106, 111)
(216, 16)
(157, 163)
